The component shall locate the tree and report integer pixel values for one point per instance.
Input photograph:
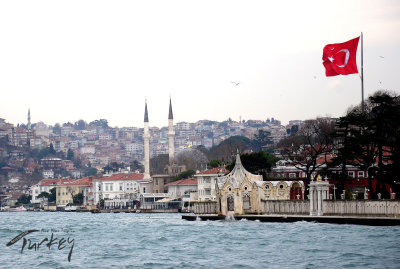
(114, 167)
(80, 125)
(311, 143)
(184, 175)
(68, 124)
(263, 138)
(227, 149)
(57, 129)
(103, 123)
(77, 199)
(91, 171)
(24, 199)
(43, 194)
(136, 165)
(192, 159)
(158, 163)
(370, 139)
(70, 154)
(214, 164)
(52, 196)
(257, 163)
(51, 149)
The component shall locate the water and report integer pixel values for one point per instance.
(166, 241)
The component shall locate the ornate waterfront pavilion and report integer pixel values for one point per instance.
(241, 192)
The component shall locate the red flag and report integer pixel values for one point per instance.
(340, 58)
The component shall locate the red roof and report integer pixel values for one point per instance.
(86, 181)
(122, 177)
(218, 170)
(188, 181)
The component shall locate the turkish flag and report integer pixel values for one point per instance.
(340, 58)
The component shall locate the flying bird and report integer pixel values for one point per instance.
(236, 83)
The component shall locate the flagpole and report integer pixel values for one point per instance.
(362, 75)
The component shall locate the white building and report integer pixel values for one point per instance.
(182, 187)
(45, 185)
(134, 147)
(48, 174)
(206, 183)
(121, 186)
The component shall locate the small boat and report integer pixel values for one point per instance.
(16, 209)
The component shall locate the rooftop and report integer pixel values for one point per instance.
(187, 181)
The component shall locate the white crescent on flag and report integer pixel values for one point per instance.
(346, 59)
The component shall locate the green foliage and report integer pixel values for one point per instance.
(91, 171)
(57, 129)
(43, 194)
(78, 163)
(70, 155)
(184, 175)
(100, 123)
(136, 165)
(257, 162)
(370, 139)
(214, 164)
(24, 199)
(114, 167)
(51, 149)
(263, 138)
(3, 164)
(52, 196)
(78, 199)
(80, 125)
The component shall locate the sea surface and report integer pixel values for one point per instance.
(166, 241)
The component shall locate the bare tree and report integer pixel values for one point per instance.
(193, 159)
(309, 148)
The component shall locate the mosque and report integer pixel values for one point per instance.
(172, 169)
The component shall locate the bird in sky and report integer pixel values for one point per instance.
(236, 83)
(381, 57)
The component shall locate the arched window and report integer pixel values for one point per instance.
(231, 203)
(246, 201)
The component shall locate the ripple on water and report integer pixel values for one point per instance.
(167, 241)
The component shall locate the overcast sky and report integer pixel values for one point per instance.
(71, 60)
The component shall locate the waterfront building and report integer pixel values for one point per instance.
(45, 185)
(237, 192)
(121, 187)
(207, 182)
(241, 192)
(65, 191)
(182, 187)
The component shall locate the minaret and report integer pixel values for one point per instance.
(29, 119)
(171, 134)
(146, 137)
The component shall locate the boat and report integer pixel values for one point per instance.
(16, 209)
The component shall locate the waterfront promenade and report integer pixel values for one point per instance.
(373, 221)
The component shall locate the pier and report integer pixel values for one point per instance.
(373, 221)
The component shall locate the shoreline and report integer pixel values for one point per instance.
(358, 220)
